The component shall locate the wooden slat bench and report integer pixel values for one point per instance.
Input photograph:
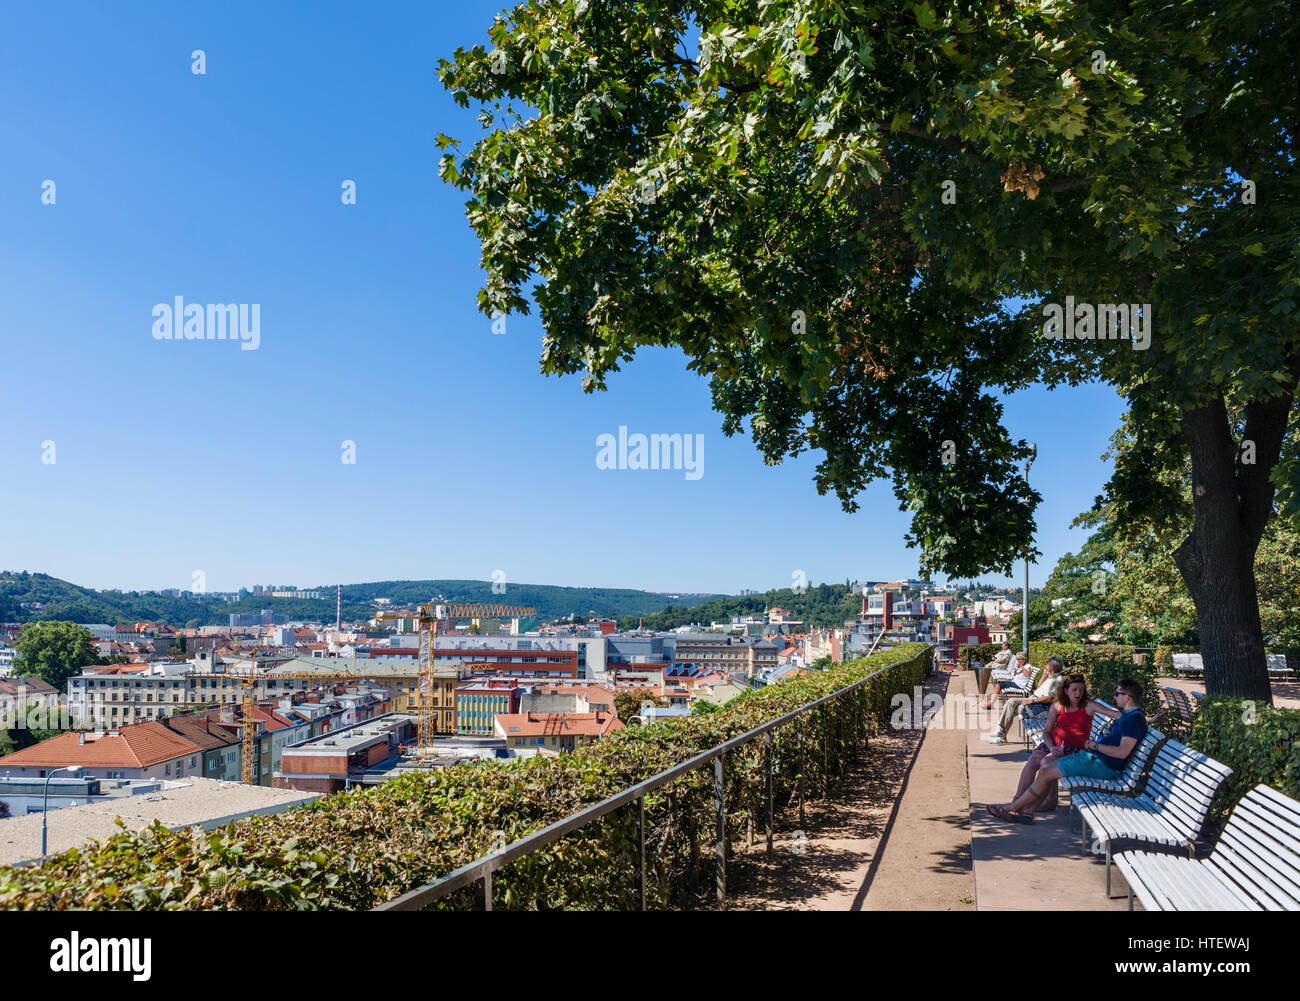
(1277, 667)
(1178, 703)
(1170, 811)
(1255, 866)
(1126, 781)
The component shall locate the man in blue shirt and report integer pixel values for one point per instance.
(1101, 759)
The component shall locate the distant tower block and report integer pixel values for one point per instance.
(338, 609)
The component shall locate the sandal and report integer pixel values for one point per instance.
(1004, 814)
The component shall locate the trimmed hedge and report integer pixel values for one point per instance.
(358, 849)
(1102, 666)
(1259, 743)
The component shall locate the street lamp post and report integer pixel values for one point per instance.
(1024, 619)
(45, 800)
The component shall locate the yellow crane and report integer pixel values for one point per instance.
(430, 616)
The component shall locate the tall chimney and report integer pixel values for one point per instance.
(889, 610)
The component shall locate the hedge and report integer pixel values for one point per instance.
(1101, 665)
(1259, 743)
(357, 849)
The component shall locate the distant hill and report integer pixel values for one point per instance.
(60, 599)
(820, 605)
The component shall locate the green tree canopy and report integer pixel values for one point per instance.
(54, 651)
(853, 217)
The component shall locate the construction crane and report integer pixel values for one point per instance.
(247, 683)
(430, 616)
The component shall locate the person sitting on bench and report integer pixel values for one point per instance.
(1100, 759)
(1067, 728)
(1024, 674)
(1039, 701)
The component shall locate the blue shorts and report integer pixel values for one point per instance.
(1085, 765)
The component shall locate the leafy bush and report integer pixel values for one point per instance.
(1259, 743)
(358, 849)
(980, 651)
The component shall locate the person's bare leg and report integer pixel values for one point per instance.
(1024, 803)
(1029, 773)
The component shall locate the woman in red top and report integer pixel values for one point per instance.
(1067, 728)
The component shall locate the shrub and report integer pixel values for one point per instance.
(1259, 743)
(982, 651)
(358, 849)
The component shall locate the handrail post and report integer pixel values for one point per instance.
(767, 767)
(722, 829)
(487, 889)
(802, 721)
(826, 751)
(640, 827)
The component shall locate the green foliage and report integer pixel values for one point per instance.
(703, 708)
(1258, 742)
(984, 652)
(628, 704)
(63, 600)
(820, 605)
(1102, 667)
(54, 651)
(357, 849)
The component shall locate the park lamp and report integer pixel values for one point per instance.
(45, 801)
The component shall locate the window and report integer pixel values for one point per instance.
(167, 769)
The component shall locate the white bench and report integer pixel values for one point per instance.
(1255, 866)
(1170, 811)
(1126, 780)
(1188, 664)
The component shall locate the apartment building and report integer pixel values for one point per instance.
(30, 702)
(742, 655)
(118, 695)
(480, 702)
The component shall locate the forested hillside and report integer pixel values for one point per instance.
(60, 599)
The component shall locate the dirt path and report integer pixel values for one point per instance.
(895, 837)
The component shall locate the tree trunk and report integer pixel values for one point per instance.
(1233, 499)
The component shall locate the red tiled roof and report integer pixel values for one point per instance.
(139, 745)
(558, 724)
(26, 685)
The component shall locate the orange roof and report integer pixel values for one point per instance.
(138, 745)
(557, 724)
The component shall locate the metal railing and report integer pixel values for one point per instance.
(481, 869)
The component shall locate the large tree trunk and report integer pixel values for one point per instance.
(1233, 500)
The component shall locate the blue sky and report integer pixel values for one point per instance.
(178, 456)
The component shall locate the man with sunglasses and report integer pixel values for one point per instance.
(1100, 759)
